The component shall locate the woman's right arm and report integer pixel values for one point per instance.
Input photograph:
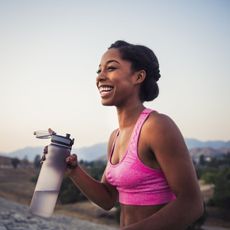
(100, 192)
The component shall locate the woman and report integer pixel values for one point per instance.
(149, 170)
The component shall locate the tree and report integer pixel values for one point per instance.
(25, 162)
(37, 162)
(202, 160)
(210, 175)
(69, 193)
(221, 196)
(15, 162)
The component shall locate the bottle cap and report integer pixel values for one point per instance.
(62, 140)
(55, 139)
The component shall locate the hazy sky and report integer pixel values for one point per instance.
(50, 51)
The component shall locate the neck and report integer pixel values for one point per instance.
(127, 116)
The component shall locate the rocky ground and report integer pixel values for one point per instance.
(15, 216)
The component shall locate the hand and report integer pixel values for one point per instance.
(51, 132)
(72, 163)
(45, 151)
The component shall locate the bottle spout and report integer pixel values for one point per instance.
(43, 134)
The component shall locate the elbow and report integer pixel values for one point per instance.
(104, 204)
(110, 198)
(200, 209)
(195, 204)
(200, 206)
(108, 206)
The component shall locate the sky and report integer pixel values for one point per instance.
(50, 51)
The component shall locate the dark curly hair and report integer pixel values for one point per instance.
(141, 58)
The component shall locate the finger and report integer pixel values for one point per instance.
(51, 131)
(73, 157)
(42, 159)
(72, 161)
(45, 150)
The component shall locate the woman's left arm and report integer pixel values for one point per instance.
(165, 140)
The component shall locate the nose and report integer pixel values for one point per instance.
(100, 77)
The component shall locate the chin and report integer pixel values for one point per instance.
(107, 103)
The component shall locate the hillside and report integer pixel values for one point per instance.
(194, 143)
(98, 151)
(16, 185)
(5, 161)
(89, 153)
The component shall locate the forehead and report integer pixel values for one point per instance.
(111, 54)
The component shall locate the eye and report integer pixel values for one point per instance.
(98, 71)
(111, 68)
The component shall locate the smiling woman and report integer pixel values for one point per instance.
(141, 61)
(114, 75)
(149, 170)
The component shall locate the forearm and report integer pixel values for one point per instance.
(176, 215)
(94, 190)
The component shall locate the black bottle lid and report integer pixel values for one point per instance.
(62, 140)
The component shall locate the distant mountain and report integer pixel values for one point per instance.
(194, 143)
(27, 152)
(98, 151)
(209, 152)
(90, 153)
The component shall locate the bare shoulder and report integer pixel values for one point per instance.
(160, 122)
(166, 141)
(162, 132)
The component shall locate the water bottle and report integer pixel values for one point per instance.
(51, 173)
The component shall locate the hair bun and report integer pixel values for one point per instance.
(157, 74)
(142, 58)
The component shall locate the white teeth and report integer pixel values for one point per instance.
(105, 88)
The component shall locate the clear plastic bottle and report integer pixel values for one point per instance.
(51, 174)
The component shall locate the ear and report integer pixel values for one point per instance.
(140, 76)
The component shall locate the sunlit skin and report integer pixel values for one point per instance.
(160, 145)
(117, 73)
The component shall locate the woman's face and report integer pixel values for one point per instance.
(116, 79)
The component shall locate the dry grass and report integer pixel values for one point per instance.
(16, 185)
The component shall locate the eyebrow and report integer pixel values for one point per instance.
(109, 61)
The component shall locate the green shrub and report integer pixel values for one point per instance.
(221, 196)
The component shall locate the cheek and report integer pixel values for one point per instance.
(121, 78)
(124, 84)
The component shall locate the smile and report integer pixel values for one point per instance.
(105, 90)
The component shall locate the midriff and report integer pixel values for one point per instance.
(131, 214)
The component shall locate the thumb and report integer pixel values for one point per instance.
(51, 132)
(72, 161)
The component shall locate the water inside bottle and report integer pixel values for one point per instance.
(43, 203)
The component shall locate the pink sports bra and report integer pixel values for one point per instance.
(137, 183)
